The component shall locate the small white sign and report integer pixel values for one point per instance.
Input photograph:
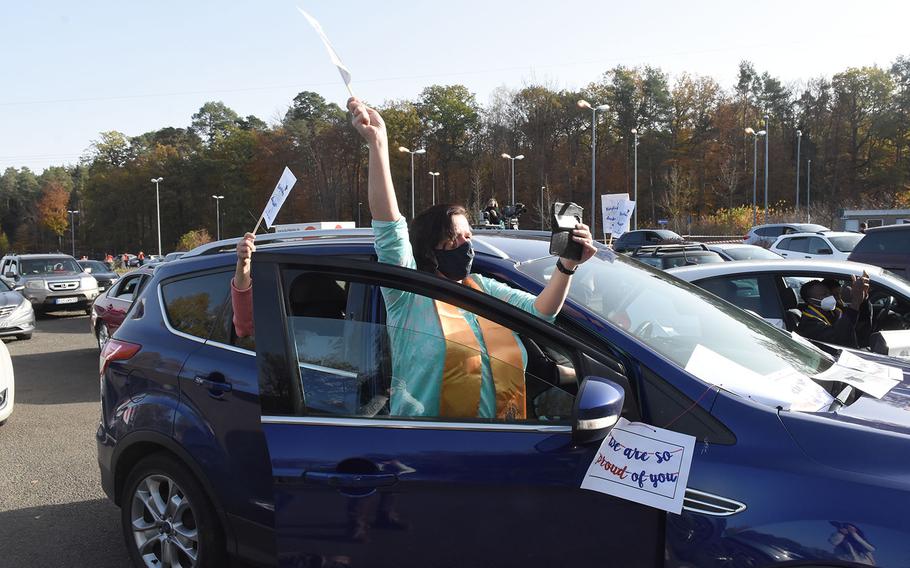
(643, 464)
(610, 204)
(869, 377)
(284, 187)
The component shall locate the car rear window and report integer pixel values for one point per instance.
(891, 242)
(193, 305)
(848, 242)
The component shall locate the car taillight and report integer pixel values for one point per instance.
(117, 350)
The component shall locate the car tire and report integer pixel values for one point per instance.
(158, 532)
(101, 334)
(24, 336)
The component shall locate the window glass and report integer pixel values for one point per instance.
(799, 244)
(784, 244)
(754, 293)
(845, 243)
(193, 305)
(127, 288)
(818, 246)
(4, 287)
(893, 242)
(52, 265)
(349, 367)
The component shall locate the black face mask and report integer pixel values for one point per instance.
(455, 264)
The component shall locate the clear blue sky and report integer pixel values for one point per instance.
(72, 69)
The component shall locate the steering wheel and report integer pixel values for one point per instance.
(645, 330)
(885, 309)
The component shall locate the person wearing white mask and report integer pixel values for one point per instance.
(823, 320)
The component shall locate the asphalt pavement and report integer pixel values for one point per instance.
(52, 509)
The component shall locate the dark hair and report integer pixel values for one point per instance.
(805, 288)
(429, 228)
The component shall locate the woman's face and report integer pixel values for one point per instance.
(462, 231)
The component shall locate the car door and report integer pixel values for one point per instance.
(819, 248)
(366, 474)
(113, 307)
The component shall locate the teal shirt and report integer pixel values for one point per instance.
(418, 344)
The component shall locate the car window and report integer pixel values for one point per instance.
(127, 288)
(783, 244)
(892, 242)
(818, 246)
(847, 243)
(50, 265)
(690, 259)
(754, 293)
(799, 244)
(352, 366)
(193, 305)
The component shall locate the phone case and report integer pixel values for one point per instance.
(563, 219)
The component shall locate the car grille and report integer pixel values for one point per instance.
(6, 310)
(62, 286)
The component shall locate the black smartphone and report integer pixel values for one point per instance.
(564, 218)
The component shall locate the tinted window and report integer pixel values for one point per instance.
(768, 232)
(799, 244)
(193, 305)
(128, 287)
(95, 265)
(784, 244)
(754, 293)
(690, 259)
(818, 246)
(51, 265)
(893, 242)
(751, 253)
(846, 243)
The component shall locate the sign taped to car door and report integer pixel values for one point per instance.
(644, 464)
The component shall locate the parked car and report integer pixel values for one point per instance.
(110, 307)
(888, 247)
(105, 276)
(7, 384)
(173, 256)
(282, 448)
(51, 281)
(668, 256)
(738, 251)
(631, 240)
(765, 235)
(770, 288)
(17, 317)
(829, 245)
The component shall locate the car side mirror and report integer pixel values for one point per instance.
(598, 407)
(11, 275)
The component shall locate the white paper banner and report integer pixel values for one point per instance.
(643, 464)
(333, 55)
(621, 220)
(869, 377)
(284, 187)
(610, 204)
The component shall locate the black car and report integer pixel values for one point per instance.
(629, 242)
(102, 273)
(887, 247)
(671, 256)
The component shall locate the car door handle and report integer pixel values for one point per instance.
(350, 480)
(215, 387)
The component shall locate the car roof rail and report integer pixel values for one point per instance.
(654, 249)
(227, 245)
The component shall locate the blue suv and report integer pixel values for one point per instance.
(281, 449)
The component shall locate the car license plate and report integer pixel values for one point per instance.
(66, 300)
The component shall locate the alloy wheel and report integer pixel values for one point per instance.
(164, 524)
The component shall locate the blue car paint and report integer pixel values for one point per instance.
(800, 475)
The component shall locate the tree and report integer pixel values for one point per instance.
(52, 206)
(192, 239)
(213, 122)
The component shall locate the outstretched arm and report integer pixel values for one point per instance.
(383, 203)
(550, 300)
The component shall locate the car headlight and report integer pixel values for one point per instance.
(24, 307)
(35, 285)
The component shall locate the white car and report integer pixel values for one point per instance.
(739, 251)
(7, 384)
(764, 235)
(829, 245)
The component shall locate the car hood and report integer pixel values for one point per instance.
(892, 411)
(10, 299)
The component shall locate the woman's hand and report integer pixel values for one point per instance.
(581, 234)
(245, 249)
(368, 123)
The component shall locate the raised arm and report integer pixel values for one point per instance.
(383, 203)
(550, 300)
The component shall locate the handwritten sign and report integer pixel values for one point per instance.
(280, 193)
(610, 204)
(643, 464)
(333, 55)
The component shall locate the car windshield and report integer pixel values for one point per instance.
(713, 340)
(51, 265)
(845, 243)
(750, 253)
(96, 266)
(4, 287)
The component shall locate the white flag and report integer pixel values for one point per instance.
(333, 55)
(284, 187)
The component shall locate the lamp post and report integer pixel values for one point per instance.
(767, 125)
(359, 203)
(543, 210)
(808, 189)
(635, 176)
(799, 139)
(518, 157)
(755, 137)
(421, 151)
(156, 181)
(73, 214)
(218, 199)
(435, 175)
(586, 105)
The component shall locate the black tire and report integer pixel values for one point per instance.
(24, 336)
(151, 475)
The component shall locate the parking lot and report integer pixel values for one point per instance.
(52, 509)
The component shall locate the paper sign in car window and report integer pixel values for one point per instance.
(643, 464)
(869, 377)
(786, 389)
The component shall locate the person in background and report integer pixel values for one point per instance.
(141, 257)
(862, 228)
(494, 216)
(823, 320)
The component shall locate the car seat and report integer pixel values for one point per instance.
(792, 312)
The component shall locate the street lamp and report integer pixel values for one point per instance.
(767, 125)
(73, 228)
(543, 209)
(518, 157)
(435, 175)
(808, 189)
(755, 136)
(799, 139)
(421, 151)
(635, 176)
(359, 204)
(217, 199)
(156, 181)
(594, 109)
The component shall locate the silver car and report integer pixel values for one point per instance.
(51, 281)
(17, 317)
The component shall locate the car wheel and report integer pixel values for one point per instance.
(88, 311)
(24, 336)
(167, 519)
(102, 334)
